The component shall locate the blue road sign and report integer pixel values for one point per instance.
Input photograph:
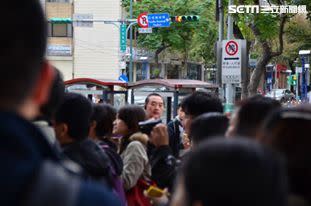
(159, 20)
(123, 78)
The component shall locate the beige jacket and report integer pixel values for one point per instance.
(135, 161)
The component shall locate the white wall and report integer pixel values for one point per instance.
(64, 64)
(96, 49)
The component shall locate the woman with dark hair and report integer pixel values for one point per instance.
(136, 167)
(287, 131)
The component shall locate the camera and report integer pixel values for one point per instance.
(147, 126)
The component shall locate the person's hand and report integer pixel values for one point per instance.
(186, 141)
(163, 200)
(159, 135)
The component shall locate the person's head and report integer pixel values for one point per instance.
(127, 120)
(56, 96)
(73, 118)
(199, 103)
(154, 106)
(251, 114)
(287, 131)
(25, 76)
(235, 172)
(208, 125)
(102, 121)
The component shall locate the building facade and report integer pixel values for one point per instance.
(78, 52)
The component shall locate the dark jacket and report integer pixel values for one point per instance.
(174, 136)
(164, 167)
(23, 149)
(112, 152)
(91, 158)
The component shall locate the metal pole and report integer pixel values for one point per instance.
(220, 38)
(131, 45)
(230, 87)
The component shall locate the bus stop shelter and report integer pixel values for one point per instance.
(113, 92)
(173, 90)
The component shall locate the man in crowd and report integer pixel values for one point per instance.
(32, 173)
(162, 159)
(154, 106)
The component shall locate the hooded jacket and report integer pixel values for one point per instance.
(23, 150)
(135, 160)
(91, 158)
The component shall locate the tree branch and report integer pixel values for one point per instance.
(281, 33)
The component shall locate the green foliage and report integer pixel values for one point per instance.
(194, 40)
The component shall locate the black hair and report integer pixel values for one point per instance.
(201, 102)
(132, 115)
(23, 44)
(149, 95)
(104, 115)
(286, 130)
(236, 172)
(55, 98)
(208, 125)
(75, 111)
(251, 114)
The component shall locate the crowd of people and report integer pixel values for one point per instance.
(61, 149)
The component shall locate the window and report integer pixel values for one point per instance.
(59, 30)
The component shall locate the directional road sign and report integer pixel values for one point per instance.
(159, 20)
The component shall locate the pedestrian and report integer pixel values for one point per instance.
(176, 133)
(154, 106)
(236, 172)
(286, 131)
(249, 116)
(32, 172)
(101, 132)
(72, 124)
(136, 169)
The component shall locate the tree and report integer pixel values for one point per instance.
(266, 31)
(194, 40)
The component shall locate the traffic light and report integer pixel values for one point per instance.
(189, 18)
(60, 20)
(294, 79)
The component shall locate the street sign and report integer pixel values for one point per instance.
(123, 78)
(159, 20)
(142, 20)
(123, 38)
(82, 20)
(231, 61)
(144, 30)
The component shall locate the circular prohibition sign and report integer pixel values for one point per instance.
(142, 20)
(232, 48)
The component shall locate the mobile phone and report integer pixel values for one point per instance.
(155, 192)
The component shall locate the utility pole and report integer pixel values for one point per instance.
(230, 87)
(220, 38)
(131, 45)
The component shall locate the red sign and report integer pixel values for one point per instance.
(142, 20)
(232, 48)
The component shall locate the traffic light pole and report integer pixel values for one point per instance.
(131, 45)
